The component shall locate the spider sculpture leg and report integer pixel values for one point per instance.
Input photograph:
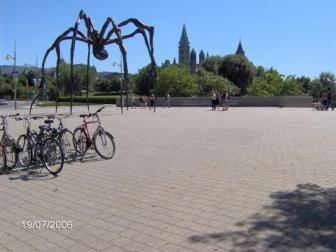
(79, 37)
(142, 29)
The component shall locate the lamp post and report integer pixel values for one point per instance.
(9, 57)
(121, 86)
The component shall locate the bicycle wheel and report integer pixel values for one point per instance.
(104, 144)
(52, 156)
(10, 152)
(82, 141)
(68, 143)
(24, 154)
(2, 159)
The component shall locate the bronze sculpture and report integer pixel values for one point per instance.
(98, 42)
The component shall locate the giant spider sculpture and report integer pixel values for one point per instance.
(98, 41)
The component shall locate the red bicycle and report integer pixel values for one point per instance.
(102, 141)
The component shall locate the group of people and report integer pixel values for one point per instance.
(147, 101)
(218, 100)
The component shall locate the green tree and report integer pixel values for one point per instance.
(6, 86)
(237, 69)
(177, 80)
(79, 74)
(144, 80)
(212, 64)
(317, 89)
(208, 81)
(305, 83)
(108, 85)
(291, 86)
(327, 78)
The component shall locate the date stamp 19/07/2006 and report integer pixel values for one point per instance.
(46, 224)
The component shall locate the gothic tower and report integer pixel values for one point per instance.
(184, 48)
(240, 50)
(193, 64)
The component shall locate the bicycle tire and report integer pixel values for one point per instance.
(107, 137)
(2, 159)
(52, 156)
(25, 153)
(82, 141)
(68, 143)
(10, 152)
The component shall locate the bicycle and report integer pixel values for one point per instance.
(63, 135)
(40, 148)
(102, 141)
(8, 150)
(2, 159)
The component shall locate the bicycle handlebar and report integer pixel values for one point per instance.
(92, 114)
(9, 115)
(28, 118)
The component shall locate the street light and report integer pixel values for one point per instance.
(121, 86)
(9, 57)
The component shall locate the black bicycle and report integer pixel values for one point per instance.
(63, 135)
(39, 148)
(8, 145)
(2, 159)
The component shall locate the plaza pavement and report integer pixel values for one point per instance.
(185, 179)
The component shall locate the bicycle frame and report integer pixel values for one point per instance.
(85, 127)
(34, 140)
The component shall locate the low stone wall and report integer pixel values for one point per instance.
(244, 101)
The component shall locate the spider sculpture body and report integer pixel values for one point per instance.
(110, 33)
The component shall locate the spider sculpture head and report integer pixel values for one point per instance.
(98, 47)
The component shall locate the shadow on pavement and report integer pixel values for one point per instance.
(299, 220)
(27, 175)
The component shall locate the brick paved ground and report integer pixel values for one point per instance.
(186, 179)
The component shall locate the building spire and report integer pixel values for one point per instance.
(184, 47)
(240, 50)
(184, 36)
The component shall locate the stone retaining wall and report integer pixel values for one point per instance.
(244, 101)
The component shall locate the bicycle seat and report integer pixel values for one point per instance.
(49, 121)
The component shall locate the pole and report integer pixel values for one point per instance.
(122, 86)
(14, 75)
(36, 68)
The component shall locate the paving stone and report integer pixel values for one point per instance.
(182, 179)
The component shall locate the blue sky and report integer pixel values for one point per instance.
(294, 36)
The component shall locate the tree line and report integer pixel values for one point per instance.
(233, 73)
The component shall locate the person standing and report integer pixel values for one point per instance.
(225, 99)
(213, 100)
(133, 105)
(167, 100)
(329, 97)
(217, 99)
(142, 102)
(151, 101)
